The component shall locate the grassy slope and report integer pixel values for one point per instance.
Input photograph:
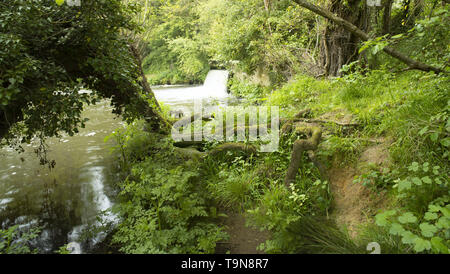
(407, 112)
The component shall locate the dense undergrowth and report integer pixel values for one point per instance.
(171, 204)
(164, 207)
(412, 111)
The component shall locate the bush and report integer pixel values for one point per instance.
(163, 207)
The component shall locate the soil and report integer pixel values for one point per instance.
(354, 204)
(243, 239)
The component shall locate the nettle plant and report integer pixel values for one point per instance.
(424, 222)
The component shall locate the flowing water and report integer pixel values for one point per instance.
(212, 93)
(69, 198)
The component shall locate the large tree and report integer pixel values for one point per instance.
(49, 52)
(355, 33)
(339, 46)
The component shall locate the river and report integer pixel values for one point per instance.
(68, 199)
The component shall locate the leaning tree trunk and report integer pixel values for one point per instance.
(340, 47)
(149, 108)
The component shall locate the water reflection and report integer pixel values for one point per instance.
(69, 197)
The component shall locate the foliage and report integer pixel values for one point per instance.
(50, 53)
(163, 206)
(424, 221)
(252, 93)
(377, 180)
(235, 185)
(15, 241)
(184, 38)
(173, 54)
(63, 250)
(256, 37)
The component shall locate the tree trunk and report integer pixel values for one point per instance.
(340, 47)
(387, 16)
(144, 82)
(267, 5)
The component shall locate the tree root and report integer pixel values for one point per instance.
(317, 121)
(189, 120)
(233, 147)
(299, 147)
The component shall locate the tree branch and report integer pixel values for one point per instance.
(413, 64)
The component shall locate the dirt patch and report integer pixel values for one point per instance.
(353, 203)
(243, 240)
(340, 116)
(350, 200)
(377, 154)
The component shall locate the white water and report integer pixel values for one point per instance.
(216, 84)
(214, 90)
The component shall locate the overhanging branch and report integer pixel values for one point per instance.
(413, 64)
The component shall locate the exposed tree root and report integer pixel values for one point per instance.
(299, 147)
(189, 120)
(233, 147)
(318, 121)
(193, 154)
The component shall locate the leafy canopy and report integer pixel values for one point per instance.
(49, 52)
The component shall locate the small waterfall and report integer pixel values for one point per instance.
(215, 84)
(182, 97)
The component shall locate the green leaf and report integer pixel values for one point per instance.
(364, 47)
(408, 237)
(445, 211)
(421, 245)
(439, 246)
(407, 217)
(434, 208)
(396, 229)
(404, 185)
(423, 131)
(382, 218)
(445, 142)
(397, 36)
(436, 170)
(434, 137)
(428, 229)
(59, 2)
(427, 180)
(414, 166)
(430, 216)
(416, 181)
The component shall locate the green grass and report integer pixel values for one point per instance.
(411, 109)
